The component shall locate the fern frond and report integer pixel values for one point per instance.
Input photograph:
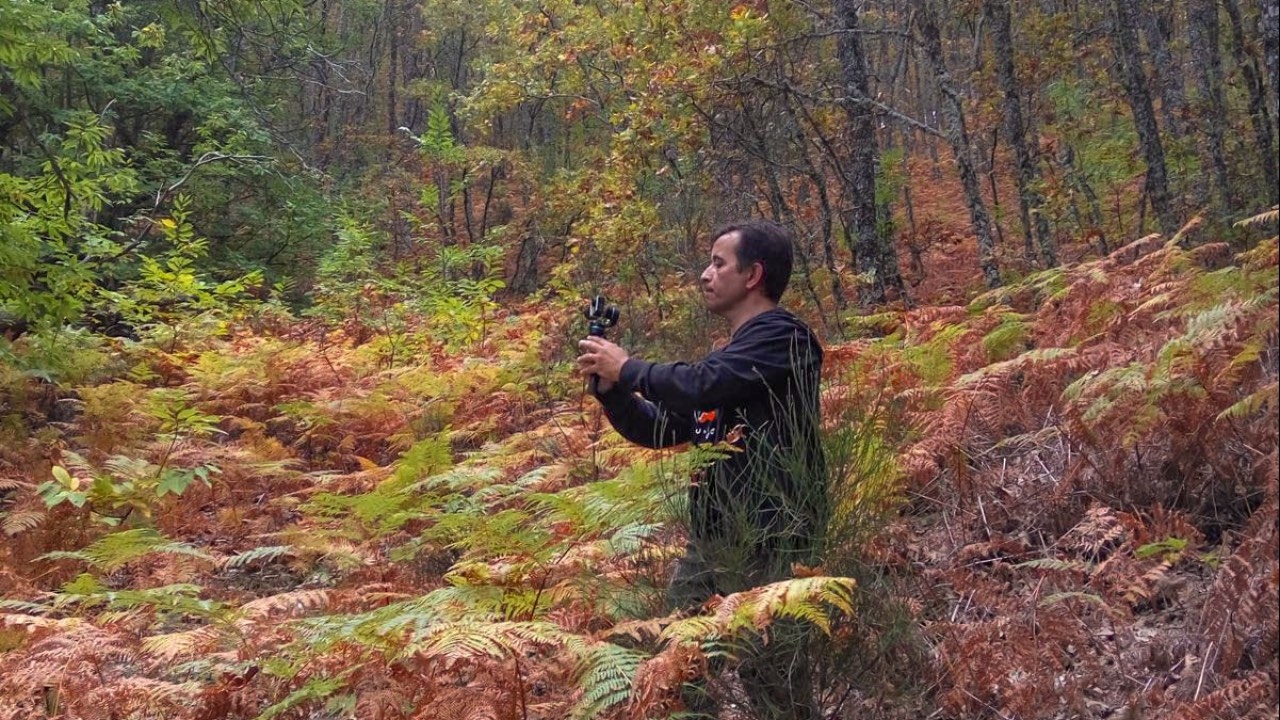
(10, 484)
(16, 523)
(1055, 598)
(169, 647)
(179, 598)
(314, 689)
(1262, 218)
(755, 609)
(659, 679)
(114, 551)
(1246, 697)
(1028, 358)
(143, 697)
(264, 553)
(284, 605)
(1054, 564)
(605, 674)
(1266, 396)
(473, 640)
(1145, 586)
(35, 621)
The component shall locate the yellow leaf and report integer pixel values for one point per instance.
(366, 463)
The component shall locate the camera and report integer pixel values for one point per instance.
(601, 316)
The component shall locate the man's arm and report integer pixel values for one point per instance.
(636, 419)
(643, 422)
(750, 364)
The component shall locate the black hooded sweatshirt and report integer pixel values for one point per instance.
(760, 394)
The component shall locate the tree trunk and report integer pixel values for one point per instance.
(1134, 79)
(783, 213)
(874, 254)
(1270, 27)
(393, 67)
(1029, 198)
(1202, 34)
(958, 136)
(1157, 28)
(824, 204)
(1259, 113)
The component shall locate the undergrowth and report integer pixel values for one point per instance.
(1057, 500)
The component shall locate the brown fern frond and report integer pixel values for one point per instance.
(1262, 218)
(1097, 535)
(1143, 588)
(285, 605)
(142, 698)
(1242, 612)
(656, 690)
(1251, 697)
(20, 521)
(32, 623)
(170, 647)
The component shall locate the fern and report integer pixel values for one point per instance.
(1054, 564)
(21, 521)
(263, 553)
(605, 674)
(1268, 396)
(114, 551)
(468, 639)
(1262, 218)
(1058, 597)
(1008, 337)
(312, 690)
(179, 599)
(753, 611)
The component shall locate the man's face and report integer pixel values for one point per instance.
(723, 284)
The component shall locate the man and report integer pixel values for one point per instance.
(757, 510)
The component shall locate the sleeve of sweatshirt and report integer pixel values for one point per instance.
(643, 422)
(751, 362)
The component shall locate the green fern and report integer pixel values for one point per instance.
(114, 551)
(314, 689)
(1007, 338)
(180, 599)
(265, 553)
(1253, 403)
(605, 674)
(811, 600)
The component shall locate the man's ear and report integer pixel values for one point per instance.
(756, 278)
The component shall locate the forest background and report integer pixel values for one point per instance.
(289, 291)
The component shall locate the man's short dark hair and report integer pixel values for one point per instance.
(765, 242)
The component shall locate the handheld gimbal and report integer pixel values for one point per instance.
(601, 316)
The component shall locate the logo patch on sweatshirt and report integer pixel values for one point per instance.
(706, 426)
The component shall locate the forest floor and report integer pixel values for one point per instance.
(1061, 503)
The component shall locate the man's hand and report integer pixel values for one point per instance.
(601, 358)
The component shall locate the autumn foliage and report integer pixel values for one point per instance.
(289, 296)
(1084, 517)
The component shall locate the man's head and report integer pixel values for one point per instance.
(752, 257)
